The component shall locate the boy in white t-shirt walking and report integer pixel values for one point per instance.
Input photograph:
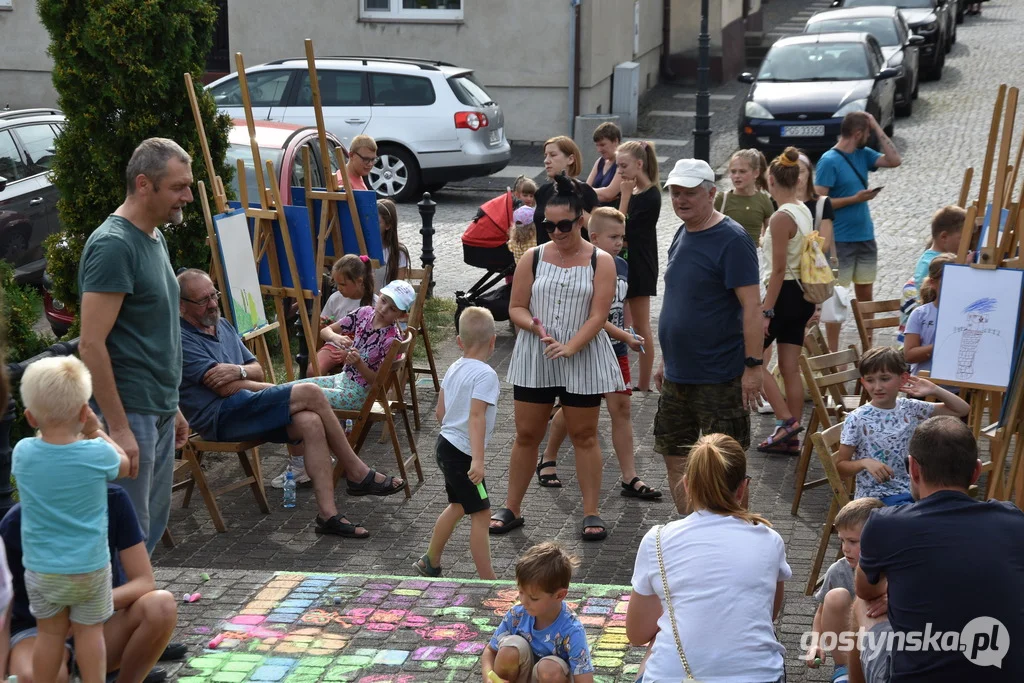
(466, 409)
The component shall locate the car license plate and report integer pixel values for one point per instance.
(496, 136)
(803, 131)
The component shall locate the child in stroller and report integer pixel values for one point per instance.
(485, 244)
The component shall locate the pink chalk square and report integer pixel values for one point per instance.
(248, 619)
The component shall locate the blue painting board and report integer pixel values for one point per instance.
(369, 220)
(302, 247)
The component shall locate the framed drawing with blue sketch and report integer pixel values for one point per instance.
(977, 327)
(240, 277)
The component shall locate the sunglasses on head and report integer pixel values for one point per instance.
(561, 226)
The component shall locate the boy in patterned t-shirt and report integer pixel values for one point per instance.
(875, 436)
(540, 638)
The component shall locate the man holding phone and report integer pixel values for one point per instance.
(842, 174)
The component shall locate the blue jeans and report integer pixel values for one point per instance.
(151, 490)
(897, 499)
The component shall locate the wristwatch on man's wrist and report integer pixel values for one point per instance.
(241, 369)
(752, 362)
(768, 312)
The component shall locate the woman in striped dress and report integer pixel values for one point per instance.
(561, 294)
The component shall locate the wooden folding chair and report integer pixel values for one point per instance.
(826, 444)
(865, 313)
(192, 462)
(416, 323)
(379, 408)
(826, 385)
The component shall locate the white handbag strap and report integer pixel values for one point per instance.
(819, 210)
(668, 601)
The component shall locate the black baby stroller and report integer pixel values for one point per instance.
(485, 245)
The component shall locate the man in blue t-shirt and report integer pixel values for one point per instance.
(712, 333)
(950, 566)
(137, 634)
(842, 174)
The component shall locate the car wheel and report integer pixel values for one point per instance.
(396, 174)
(13, 246)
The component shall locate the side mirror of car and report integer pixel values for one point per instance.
(887, 73)
(3, 183)
(915, 40)
(745, 77)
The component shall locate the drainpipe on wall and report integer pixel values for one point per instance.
(666, 40)
(574, 65)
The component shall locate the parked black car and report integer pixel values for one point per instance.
(934, 20)
(890, 29)
(28, 202)
(808, 83)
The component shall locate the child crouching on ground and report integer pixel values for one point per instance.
(466, 409)
(837, 591)
(875, 436)
(62, 481)
(540, 639)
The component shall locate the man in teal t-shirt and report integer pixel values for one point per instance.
(842, 174)
(131, 339)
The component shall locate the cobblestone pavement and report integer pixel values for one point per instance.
(945, 135)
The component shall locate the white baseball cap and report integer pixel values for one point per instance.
(401, 294)
(690, 173)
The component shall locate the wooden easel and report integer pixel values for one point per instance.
(255, 339)
(271, 208)
(993, 254)
(330, 220)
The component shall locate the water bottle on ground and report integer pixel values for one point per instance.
(289, 489)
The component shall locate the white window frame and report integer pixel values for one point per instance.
(396, 12)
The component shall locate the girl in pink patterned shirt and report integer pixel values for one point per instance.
(372, 330)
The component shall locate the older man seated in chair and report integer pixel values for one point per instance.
(224, 398)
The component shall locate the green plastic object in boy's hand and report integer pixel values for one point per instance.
(495, 678)
(483, 496)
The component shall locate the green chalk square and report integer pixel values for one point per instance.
(460, 662)
(193, 679)
(229, 677)
(301, 677)
(243, 666)
(206, 661)
(315, 662)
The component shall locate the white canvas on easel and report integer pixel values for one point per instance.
(976, 330)
(241, 278)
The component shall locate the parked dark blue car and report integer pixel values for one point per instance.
(807, 84)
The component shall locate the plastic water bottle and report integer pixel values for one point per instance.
(348, 427)
(289, 489)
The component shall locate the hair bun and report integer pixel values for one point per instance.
(564, 185)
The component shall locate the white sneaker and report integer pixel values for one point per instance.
(765, 408)
(298, 472)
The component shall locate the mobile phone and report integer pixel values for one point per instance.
(878, 189)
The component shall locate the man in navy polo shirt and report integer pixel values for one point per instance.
(952, 564)
(144, 617)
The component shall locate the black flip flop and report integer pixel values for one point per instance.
(508, 522)
(550, 481)
(645, 492)
(593, 521)
(335, 527)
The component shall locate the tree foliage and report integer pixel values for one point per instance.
(118, 68)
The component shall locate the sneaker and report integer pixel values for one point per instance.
(301, 478)
(765, 408)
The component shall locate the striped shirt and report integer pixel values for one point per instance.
(560, 298)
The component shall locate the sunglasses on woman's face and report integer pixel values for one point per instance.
(561, 226)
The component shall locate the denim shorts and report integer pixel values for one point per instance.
(263, 414)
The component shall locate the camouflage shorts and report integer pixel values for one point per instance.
(686, 411)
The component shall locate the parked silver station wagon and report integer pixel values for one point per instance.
(432, 121)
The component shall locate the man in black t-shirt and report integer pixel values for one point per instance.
(953, 565)
(138, 633)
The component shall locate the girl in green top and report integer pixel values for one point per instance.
(748, 202)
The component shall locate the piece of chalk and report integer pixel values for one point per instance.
(482, 491)
(337, 600)
(204, 576)
(195, 597)
(495, 678)
(817, 662)
(186, 597)
(217, 640)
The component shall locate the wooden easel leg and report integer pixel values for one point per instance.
(167, 539)
(415, 457)
(804, 463)
(819, 556)
(286, 347)
(414, 398)
(430, 358)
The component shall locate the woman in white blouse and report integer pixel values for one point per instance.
(723, 568)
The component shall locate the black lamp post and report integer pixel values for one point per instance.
(702, 132)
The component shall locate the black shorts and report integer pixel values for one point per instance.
(454, 465)
(792, 312)
(547, 396)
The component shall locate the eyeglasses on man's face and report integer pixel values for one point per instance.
(205, 301)
(369, 160)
